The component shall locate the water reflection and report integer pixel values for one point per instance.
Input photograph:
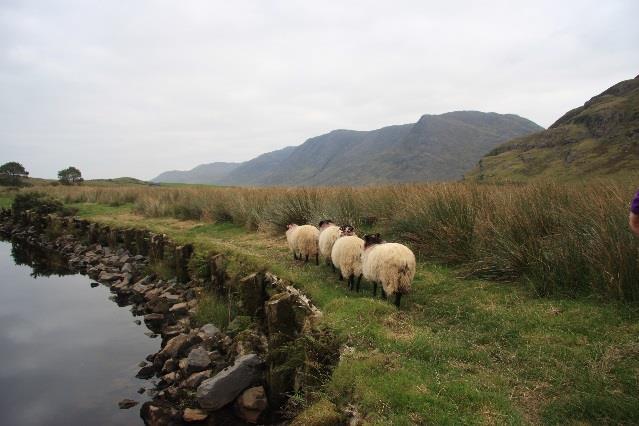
(43, 263)
(67, 353)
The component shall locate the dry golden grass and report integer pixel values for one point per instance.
(561, 238)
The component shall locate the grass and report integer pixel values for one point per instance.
(465, 351)
(570, 239)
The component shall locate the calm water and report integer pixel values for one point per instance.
(68, 354)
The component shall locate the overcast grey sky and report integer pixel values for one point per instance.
(134, 88)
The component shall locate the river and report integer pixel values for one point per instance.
(68, 354)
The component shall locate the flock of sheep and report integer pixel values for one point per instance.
(390, 264)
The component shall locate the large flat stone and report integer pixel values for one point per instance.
(218, 391)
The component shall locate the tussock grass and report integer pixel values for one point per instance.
(560, 238)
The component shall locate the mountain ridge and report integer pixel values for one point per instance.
(435, 148)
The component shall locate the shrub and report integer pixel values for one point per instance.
(38, 202)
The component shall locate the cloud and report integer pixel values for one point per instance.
(135, 88)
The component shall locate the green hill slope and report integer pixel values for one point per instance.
(600, 138)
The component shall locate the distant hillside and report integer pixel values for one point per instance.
(204, 173)
(437, 147)
(254, 171)
(600, 138)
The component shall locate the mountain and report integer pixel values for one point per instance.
(437, 147)
(211, 173)
(253, 171)
(600, 138)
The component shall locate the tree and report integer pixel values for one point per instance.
(70, 176)
(12, 172)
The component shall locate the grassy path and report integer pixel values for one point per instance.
(459, 351)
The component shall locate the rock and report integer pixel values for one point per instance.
(142, 364)
(151, 334)
(108, 277)
(127, 403)
(159, 413)
(169, 366)
(251, 293)
(183, 364)
(210, 330)
(94, 285)
(146, 372)
(137, 322)
(197, 360)
(216, 392)
(141, 391)
(194, 415)
(171, 378)
(179, 308)
(171, 331)
(251, 404)
(195, 379)
(127, 268)
(176, 346)
(154, 321)
(171, 298)
(284, 316)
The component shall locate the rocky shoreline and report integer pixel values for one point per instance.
(201, 375)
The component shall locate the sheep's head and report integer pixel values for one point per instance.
(372, 239)
(324, 223)
(345, 230)
(290, 226)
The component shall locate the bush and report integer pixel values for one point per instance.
(38, 202)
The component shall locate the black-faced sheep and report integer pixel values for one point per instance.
(347, 255)
(390, 264)
(303, 241)
(329, 233)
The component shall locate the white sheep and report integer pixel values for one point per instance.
(291, 231)
(347, 256)
(391, 264)
(329, 233)
(303, 241)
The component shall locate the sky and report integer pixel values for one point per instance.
(135, 87)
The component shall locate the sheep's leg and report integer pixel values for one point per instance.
(359, 280)
(306, 259)
(351, 282)
(295, 255)
(383, 293)
(341, 277)
(374, 288)
(317, 259)
(333, 267)
(398, 296)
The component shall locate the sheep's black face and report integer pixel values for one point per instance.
(346, 230)
(372, 239)
(325, 222)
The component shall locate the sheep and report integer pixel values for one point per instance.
(303, 241)
(347, 256)
(391, 264)
(291, 232)
(329, 232)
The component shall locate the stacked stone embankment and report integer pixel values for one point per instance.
(202, 373)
